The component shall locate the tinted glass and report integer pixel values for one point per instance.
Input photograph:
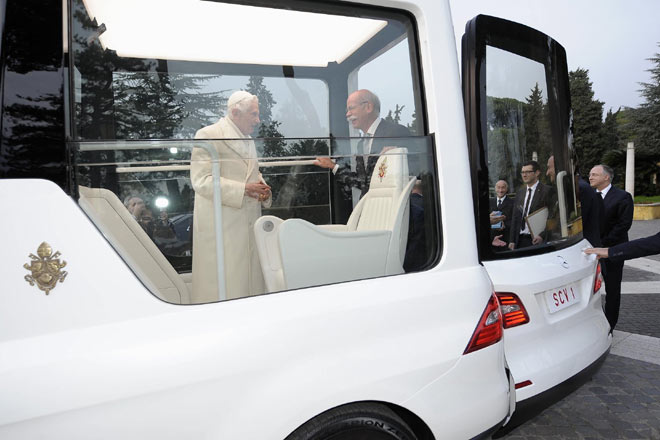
(236, 193)
(523, 153)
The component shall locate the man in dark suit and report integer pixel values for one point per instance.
(591, 204)
(502, 204)
(363, 113)
(416, 255)
(530, 198)
(593, 212)
(618, 220)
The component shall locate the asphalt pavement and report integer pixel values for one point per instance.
(622, 401)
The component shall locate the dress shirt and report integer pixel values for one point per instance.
(525, 230)
(603, 193)
(366, 145)
(369, 135)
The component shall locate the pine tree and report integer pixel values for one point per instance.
(395, 116)
(610, 133)
(537, 129)
(256, 86)
(647, 116)
(587, 120)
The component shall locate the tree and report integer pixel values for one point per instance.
(647, 116)
(610, 132)
(587, 120)
(537, 128)
(256, 86)
(395, 116)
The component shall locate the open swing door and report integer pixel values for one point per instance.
(518, 116)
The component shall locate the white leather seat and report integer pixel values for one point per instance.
(133, 244)
(295, 253)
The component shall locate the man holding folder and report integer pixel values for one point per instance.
(532, 197)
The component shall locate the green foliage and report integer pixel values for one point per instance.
(537, 126)
(256, 86)
(646, 170)
(647, 117)
(647, 199)
(587, 120)
(396, 115)
(414, 126)
(517, 132)
(298, 191)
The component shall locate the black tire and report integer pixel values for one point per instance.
(360, 421)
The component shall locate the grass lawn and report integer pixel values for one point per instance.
(647, 199)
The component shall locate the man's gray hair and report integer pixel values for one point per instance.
(240, 100)
(609, 171)
(371, 97)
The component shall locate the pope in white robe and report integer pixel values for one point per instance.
(243, 192)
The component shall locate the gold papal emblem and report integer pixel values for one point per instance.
(46, 268)
(382, 169)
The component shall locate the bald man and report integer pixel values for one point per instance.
(363, 113)
(502, 204)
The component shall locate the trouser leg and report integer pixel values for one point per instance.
(612, 274)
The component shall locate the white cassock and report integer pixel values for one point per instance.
(238, 166)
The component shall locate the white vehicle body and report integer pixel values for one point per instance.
(103, 355)
(572, 338)
(84, 363)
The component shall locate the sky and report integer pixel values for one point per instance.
(610, 38)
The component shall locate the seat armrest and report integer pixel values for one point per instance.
(335, 228)
(313, 256)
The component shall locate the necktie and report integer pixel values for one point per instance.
(499, 204)
(367, 143)
(526, 210)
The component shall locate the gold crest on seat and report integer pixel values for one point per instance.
(382, 169)
(46, 268)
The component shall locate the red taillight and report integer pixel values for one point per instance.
(489, 329)
(513, 310)
(598, 282)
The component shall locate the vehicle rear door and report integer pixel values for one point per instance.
(517, 107)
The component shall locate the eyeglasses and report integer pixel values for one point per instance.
(350, 108)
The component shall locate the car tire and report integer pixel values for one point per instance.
(360, 421)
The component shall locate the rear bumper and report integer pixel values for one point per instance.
(529, 408)
(549, 353)
(489, 432)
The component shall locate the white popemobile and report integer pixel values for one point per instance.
(388, 312)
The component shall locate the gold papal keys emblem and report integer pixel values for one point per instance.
(45, 268)
(382, 169)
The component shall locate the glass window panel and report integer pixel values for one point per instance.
(153, 190)
(144, 108)
(523, 153)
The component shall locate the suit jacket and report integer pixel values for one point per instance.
(416, 248)
(641, 247)
(362, 175)
(541, 198)
(507, 210)
(593, 210)
(618, 217)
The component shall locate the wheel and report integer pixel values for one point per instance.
(360, 421)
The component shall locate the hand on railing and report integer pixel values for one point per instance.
(324, 162)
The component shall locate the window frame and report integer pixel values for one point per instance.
(483, 31)
(337, 77)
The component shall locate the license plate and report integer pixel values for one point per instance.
(558, 299)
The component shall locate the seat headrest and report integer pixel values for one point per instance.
(391, 170)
